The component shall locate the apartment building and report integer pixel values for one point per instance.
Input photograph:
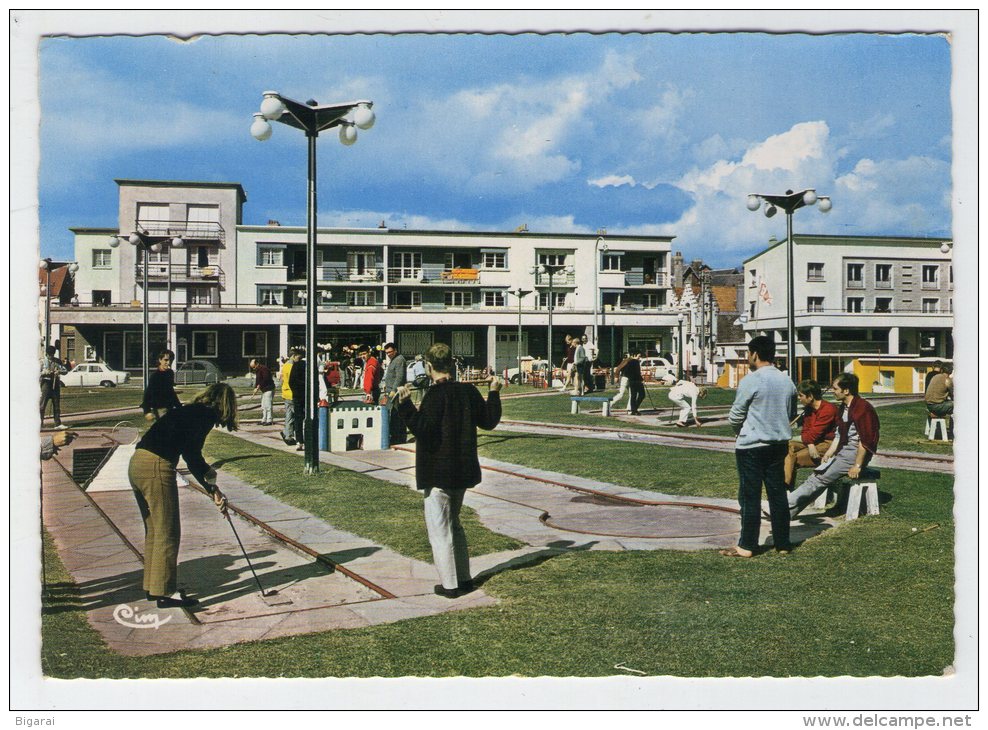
(858, 300)
(235, 291)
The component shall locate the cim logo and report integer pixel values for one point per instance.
(127, 616)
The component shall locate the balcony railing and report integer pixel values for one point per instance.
(340, 274)
(187, 230)
(640, 278)
(433, 274)
(181, 273)
(870, 347)
(559, 279)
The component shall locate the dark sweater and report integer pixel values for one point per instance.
(181, 432)
(296, 381)
(445, 428)
(632, 370)
(160, 391)
(263, 379)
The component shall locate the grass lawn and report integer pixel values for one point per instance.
(870, 598)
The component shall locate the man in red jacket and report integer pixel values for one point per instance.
(857, 427)
(446, 462)
(819, 425)
(372, 375)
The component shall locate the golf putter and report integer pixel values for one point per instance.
(265, 595)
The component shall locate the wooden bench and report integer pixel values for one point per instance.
(865, 486)
(576, 400)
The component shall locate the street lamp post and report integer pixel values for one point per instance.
(520, 293)
(46, 265)
(596, 290)
(679, 348)
(790, 203)
(312, 119)
(551, 270)
(147, 242)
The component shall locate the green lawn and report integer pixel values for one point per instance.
(870, 598)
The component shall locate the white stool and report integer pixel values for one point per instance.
(935, 424)
(865, 485)
(823, 499)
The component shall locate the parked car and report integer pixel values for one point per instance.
(95, 373)
(192, 372)
(655, 368)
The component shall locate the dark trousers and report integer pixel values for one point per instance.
(298, 406)
(637, 388)
(397, 431)
(586, 370)
(53, 393)
(757, 466)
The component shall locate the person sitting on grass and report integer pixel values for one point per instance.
(858, 428)
(446, 463)
(152, 473)
(819, 425)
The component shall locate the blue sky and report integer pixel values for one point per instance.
(635, 133)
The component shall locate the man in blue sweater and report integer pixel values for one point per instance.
(763, 409)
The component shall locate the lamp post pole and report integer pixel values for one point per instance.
(520, 293)
(551, 270)
(679, 347)
(312, 119)
(790, 203)
(46, 263)
(596, 290)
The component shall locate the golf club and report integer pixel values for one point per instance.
(264, 593)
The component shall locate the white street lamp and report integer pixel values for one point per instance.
(596, 290)
(790, 203)
(311, 118)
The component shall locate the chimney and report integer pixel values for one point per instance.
(677, 267)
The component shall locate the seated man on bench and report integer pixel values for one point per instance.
(857, 442)
(819, 426)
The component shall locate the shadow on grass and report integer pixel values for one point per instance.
(227, 460)
(531, 560)
(505, 438)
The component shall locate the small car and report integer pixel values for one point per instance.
(94, 373)
(193, 372)
(655, 368)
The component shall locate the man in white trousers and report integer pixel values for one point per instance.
(684, 394)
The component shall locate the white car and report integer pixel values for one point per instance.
(94, 373)
(656, 367)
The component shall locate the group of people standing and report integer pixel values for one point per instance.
(578, 364)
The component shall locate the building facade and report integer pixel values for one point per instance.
(857, 299)
(233, 292)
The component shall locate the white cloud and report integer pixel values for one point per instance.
(788, 151)
(612, 180)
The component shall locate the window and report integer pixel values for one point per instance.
(814, 272)
(494, 260)
(931, 276)
(883, 276)
(270, 256)
(814, 304)
(149, 214)
(407, 300)
(408, 264)
(883, 305)
(855, 276)
(270, 296)
(203, 214)
(950, 305)
(751, 310)
(559, 300)
(494, 299)
(886, 378)
(931, 306)
(366, 298)
(854, 304)
(650, 301)
(950, 275)
(101, 298)
(458, 260)
(458, 298)
(611, 262)
(752, 277)
(101, 258)
(463, 344)
(200, 295)
(255, 344)
(204, 344)
(552, 259)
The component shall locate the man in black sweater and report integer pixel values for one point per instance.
(296, 381)
(446, 462)
(159, 393)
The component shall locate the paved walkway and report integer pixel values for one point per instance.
(326, 578)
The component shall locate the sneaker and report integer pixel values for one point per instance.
(61, 427)
(288, 441)
(301, 447)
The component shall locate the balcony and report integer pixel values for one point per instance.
(181, 273)
(340, 274)
(559, 279)
(659, 279)
(830, 347)
(187, 230)
(430, 274)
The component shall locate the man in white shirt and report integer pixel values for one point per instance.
(684, 394)
(590, 348)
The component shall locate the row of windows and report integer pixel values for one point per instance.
(856, 305)
(930, 274)
(275, 296)
(366, 261)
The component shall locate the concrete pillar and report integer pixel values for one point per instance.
(814, 341)
(283, 340)
(389, 333)
(893, 340)
(491, 345)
